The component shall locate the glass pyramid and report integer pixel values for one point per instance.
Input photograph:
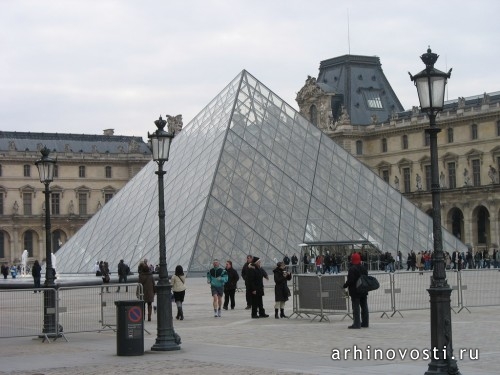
(249, 175)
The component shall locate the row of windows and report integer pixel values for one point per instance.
(405, 143)
(55, 203)
(450, 183)
(81, 171)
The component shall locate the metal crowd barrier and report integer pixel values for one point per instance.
(22, 312)
(323, 295)
(319, 296)
(479, 288)
(95, 305)
(77, 309)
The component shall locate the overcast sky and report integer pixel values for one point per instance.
(88, 65)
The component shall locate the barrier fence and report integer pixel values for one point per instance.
(77, 309)
(322, 295)
(92, 308)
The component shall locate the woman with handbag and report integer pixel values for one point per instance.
(359, 300)
(281, 290)
(179, 288)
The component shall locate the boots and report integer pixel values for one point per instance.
(149, 313)
(282, 313)
(178, 313)
(181, 313)
(276, 314)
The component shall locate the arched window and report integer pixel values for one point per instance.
(58, 237)
(313, 115)
(2, 244)
(28, 242)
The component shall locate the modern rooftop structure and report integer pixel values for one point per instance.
(249, 175)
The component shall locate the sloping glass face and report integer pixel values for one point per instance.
(249, 175)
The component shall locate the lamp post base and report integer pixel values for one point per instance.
(443, 361)
(166, 339)
(165, 345)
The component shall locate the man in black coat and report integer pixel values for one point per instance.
(359, 301)
(255, 283)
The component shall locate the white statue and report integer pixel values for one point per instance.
(492, 174)
(419, 182)
(24, 260)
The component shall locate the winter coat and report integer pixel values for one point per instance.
(232, 279)
(217, 277)
(244, 272)
(254, 279)
(148, 286)
(36, 270)
(178, 283)
(281, 290)
(354, 273)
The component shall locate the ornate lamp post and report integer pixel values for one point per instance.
(166, 338)
(431, 84)
(45, 167)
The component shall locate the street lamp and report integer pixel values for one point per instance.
(46, 166)
(431, 84)
(166, 338)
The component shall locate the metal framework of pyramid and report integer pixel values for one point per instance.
(249, 175)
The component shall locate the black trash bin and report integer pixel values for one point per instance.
(129, 327)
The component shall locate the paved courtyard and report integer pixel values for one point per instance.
(237, 344)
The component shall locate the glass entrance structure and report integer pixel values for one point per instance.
(249, 175)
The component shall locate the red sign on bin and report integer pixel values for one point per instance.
(135, 314)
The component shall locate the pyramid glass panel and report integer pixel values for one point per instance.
(249, 175)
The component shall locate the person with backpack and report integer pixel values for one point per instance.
(359, 301)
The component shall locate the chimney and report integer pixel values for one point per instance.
(108, 131)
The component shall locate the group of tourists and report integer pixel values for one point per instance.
(223, 282)
(422, 260)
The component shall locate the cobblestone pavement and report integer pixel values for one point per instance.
(237, 344)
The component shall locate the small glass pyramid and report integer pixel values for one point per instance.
(249, 175)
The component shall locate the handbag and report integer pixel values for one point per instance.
(366, 283)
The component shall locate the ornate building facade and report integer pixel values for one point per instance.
(90, 170)
(353, 103)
